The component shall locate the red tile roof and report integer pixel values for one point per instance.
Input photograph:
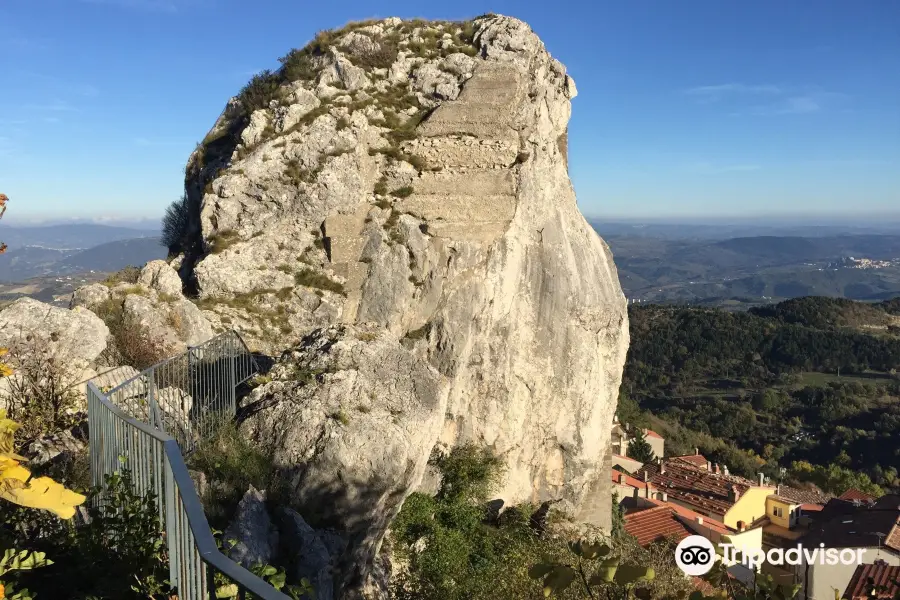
(656, 524)
(698, 460)
(811, 507)
(810, 495)
(691, 515)
(698, 488)
(623, 479)
(855, 494)
(881, 574)
(651, 433)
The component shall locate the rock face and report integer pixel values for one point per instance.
(76, 337)
(252, 536)
(398, 200)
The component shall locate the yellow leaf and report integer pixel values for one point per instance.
(43, 493)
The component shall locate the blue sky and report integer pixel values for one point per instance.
(686, 108)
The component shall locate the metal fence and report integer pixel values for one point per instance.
(143, 425)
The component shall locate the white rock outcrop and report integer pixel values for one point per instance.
(75, 337)
(417, 231)
(158, 275)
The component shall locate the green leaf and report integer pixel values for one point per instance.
(606, 572)
(628, 574)
(539, 570)
(594, 551)
(277, 580)
(559, 579)
(227, 591)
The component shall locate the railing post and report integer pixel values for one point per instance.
(232, 362)
(151, 399)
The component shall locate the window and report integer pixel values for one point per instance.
(778, 511)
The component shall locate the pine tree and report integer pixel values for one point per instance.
(639, 448)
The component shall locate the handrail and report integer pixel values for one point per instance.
(113, 432)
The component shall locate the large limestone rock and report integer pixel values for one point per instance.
(46, 339)
(353, 417)
(158, 275)
(417, 231)
(75, 337)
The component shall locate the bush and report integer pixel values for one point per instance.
(131, 344)
(313, 279)
(464, 555)
(42, 395)
(120, 553)
(129, 274)
(259, 91)
(231, 464)
(176, 225)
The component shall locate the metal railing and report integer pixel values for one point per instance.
(144, 423)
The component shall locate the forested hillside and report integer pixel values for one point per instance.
(808, 386)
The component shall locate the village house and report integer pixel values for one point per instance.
(873, 527)
(622, 434)
(735, 501)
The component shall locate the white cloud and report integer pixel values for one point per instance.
(778, 100)
(714, 93)
(709, 168)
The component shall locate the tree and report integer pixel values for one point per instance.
(176, 225)
(639, 449)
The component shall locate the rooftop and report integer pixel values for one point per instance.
(622, 479)
(855, 494)
(881, 574)
(697, 460)
(656, 524)
(653, 434)
(843, 524)
(694, 486)
(690, 515)
(804, 496)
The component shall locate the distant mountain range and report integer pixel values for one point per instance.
(80, 236)
(688, 264)
(69, 249)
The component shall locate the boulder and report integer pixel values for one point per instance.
(308, 554)
(90, 296)
(251, 538)
(73, 337)
(172, 326)
(158, 275)
(352, 421)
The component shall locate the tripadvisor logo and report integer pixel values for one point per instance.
(695, 555)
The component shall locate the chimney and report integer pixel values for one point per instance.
(699, 520)
(741, 526)
(716, 468)
(665, 497)
(762, 479)
(696, 451)
(646, 475)
(734, 494)
(778, 490)
(708, 466)
(725, 469)
(662, 468)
